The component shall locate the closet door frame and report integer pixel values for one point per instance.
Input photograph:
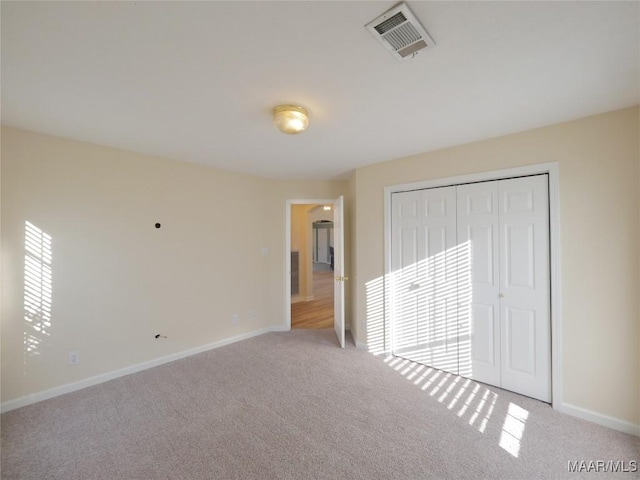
(553, 171)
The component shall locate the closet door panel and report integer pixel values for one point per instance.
(524, 286)
(520, 325)
(478, 285)
(408, 249)
(483, 341)
(423, 286)
(440, 281)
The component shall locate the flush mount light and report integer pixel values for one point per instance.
(290, 119)
(327, 207)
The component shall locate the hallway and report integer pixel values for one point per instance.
(316, 313)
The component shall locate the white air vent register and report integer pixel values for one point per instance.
(400, 32)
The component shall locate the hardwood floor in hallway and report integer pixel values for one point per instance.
(316, 313)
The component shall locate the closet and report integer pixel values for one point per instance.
(470, 288)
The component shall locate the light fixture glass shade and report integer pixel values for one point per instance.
(290, 118)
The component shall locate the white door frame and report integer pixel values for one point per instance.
(287, 250)
(553, 170)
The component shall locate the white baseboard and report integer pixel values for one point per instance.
(279, 328)
(589, 415)
(601, 419)
(105, 377)
(376, 353)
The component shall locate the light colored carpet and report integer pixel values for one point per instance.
(294, 406)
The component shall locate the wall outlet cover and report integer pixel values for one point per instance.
(74, 357)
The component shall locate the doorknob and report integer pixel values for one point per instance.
(341, 279)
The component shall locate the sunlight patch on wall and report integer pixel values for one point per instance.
(38, 291)
(375, 326)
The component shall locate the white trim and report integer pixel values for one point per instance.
(386, 288)
(287, 250)
(105, 377)
(475, 177)
(601, 419)
(553, 170)
(556, 282)
(277, 328)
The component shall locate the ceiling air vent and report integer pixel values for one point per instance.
(400, 32)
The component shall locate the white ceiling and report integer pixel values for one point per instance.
(196, 81)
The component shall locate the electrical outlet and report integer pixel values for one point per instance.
(74, 357)
(234, 319)
(252, 316)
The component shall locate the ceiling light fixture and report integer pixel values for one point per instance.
(290, 119)
(327, 207)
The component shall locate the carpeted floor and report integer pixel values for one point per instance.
(294, 406)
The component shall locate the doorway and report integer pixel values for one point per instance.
(312, 244)
(315, 299)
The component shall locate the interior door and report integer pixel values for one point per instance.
(338, 269)
(424, 277)
(524, 286)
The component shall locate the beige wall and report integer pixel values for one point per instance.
(117, 280)
(300, 243)
(317, 213)
(600, 203)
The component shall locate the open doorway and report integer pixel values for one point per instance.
(293, 261)
(312, 266)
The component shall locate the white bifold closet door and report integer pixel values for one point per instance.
(525, 323)
(479, 285)
(424, 279)
(490, 305)
(505, 306)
